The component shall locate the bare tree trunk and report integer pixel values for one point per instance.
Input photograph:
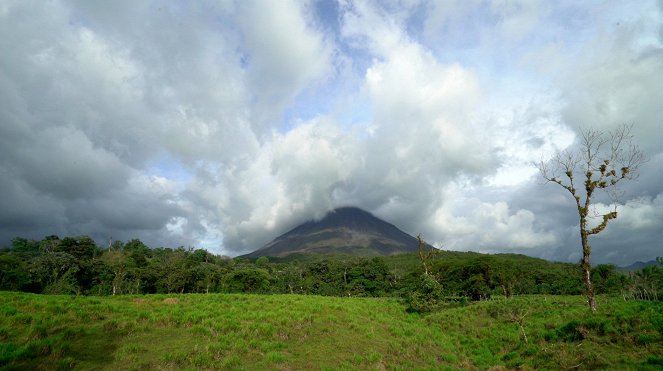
(603, 160)
(587, 266)
(522, 329)
(424, 255)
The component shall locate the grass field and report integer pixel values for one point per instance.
(290, 332)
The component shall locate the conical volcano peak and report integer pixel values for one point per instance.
(349, 211)
(350, 217)
(345, 230)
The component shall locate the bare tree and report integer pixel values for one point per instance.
(425, 253)
(602, 160)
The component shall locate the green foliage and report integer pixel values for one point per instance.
(65, 284)
(74, 265)
(247, 280)
(262, 262)
(14, 274)
(607, 280)
(216, 331)
(427, 297)
(23, 246)
(645, 284)
(82, 247)
(477, 288)
(53, 269)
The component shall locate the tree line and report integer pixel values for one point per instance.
(76, 265)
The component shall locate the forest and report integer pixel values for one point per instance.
(77, 265)
(441, 310)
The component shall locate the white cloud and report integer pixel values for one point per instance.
(468, 223)
(224, 124)
(294, 177)
(518, 19)
(422, 133)
(634, 216)
(284, 53)
(615, 87)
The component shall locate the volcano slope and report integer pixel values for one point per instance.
(347, 231)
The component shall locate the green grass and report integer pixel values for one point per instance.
(290, 332)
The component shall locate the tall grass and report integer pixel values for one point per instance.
(224, 331)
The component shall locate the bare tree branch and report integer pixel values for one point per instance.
(603, 160)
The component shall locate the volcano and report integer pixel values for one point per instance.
(346, 230)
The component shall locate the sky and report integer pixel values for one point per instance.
(223, 124)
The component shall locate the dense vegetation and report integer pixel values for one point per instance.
(295, 332)
(371, 316)
(76, 265)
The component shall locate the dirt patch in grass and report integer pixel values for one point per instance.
(171, 301)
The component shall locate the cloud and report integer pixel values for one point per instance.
(635, 234)
(470, 223)
(84, 116)
(294, 178)
(222, 125)
(419, 127)
(422, 132)
(615, 87)
(280, 66)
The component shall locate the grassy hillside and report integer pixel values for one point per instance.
(311, 332)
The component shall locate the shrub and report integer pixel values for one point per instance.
(427, 297)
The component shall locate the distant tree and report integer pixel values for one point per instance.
(13, 272)
(606, 279)
(115, 245)
(367, 277)
(198, 256)
(24, 246)
(49, 243)
(426, 253)
(82, 247)
(325, 277)
(134, 245)
(648, 283)
(207, 277)
(55, 273)
(262, 262)
(118, 264)
(427, 293)
(477, 286)
(426, 297)
(175, 277)
(602, 161)
(506, 277)
(247, 280)
(289, 279)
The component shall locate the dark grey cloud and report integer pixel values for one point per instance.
(224, 124)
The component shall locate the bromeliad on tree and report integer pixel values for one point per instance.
(602, 161)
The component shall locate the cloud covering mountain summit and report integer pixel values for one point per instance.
(223, 124)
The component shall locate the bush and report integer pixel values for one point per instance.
(247, 280)
(576, 330)
(655, 360)
(427, 297)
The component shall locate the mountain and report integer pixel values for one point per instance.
(638, 265)
(346, 230)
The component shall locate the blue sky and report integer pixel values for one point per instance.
(222, 124)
